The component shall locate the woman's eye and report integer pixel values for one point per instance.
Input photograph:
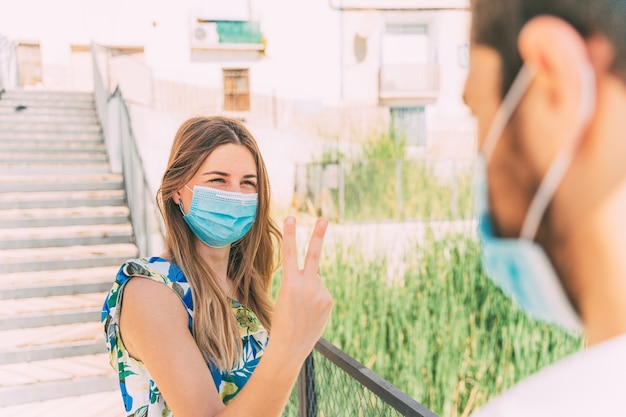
(250, 183)
(217, 180)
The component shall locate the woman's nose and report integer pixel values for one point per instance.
(234, 187)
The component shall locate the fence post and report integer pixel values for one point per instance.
(342, 192)
(399, 189)
(307, 394)
(455, 192)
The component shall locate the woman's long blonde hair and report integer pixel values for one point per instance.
(252, 260)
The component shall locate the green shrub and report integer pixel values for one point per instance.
(441, 331)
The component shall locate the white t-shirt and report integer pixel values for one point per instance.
(591, 383)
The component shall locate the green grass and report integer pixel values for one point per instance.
(382, 183)
(440, 331)
(403, 189)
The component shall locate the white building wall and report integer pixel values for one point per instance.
(60, 23)
(309, 78)
(451, 127)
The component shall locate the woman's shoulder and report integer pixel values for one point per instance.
(157, 269)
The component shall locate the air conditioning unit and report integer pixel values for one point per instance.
(203, 33)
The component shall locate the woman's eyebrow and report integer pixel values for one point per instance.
(223, 174)
(226, 174)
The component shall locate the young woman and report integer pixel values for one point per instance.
(187, 331)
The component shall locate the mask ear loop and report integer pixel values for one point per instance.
(563, 160)
(509, 104)
(180, 205)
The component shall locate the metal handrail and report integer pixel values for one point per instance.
(369, 379)
(126, 159)
(381, 388)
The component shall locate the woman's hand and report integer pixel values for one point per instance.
(304, 304)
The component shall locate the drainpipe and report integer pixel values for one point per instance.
(341, 52)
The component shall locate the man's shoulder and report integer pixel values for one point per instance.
(590, 382)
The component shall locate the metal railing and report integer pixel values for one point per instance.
(125, 157)
(9, 74)
(331, 383)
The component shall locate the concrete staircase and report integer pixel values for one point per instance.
(64, 231)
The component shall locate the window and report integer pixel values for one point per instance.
(29, 61)
(236, 90)
(407, 43)
(409, 124)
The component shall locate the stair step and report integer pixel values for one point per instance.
(59, 102)
(42, 237)
(48, 306)
(61, 199)
(6, 125)
(49, 342)
(23, 321)
(65, 216)
(59, 282)
(56, 156)
(49, 134)
(47, 111)
(84, 168)
(44, 95)
(54, 183)
(70, 257)
(25, 117)
(102, 404)
(59, 157)
(51, 146)
(55, 378)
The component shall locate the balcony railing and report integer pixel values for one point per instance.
(227, 35)
(408, 81)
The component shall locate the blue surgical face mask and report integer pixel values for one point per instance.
(219, 218)
(520, 267)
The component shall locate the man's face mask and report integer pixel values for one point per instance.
(520, 267)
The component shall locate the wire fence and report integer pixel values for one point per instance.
(422, 189)
(333, 384)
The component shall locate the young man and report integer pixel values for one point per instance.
(547, 84)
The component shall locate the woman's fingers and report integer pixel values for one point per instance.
(312, 260)
(289, 249)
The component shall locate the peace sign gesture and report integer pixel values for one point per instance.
(304, 304)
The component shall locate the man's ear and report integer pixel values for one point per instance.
(559, 55)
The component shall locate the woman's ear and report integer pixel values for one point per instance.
(177, 198)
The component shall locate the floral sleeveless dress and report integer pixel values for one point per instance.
(139, 392)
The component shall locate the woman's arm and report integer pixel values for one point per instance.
(154, 329)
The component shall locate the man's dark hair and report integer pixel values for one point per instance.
(497, 24)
